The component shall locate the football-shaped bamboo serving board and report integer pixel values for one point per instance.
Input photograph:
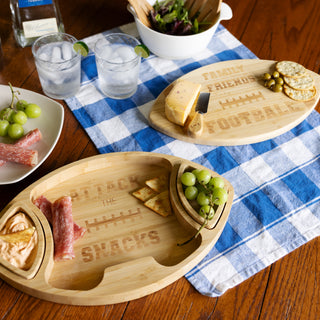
(241, 109)
(128, 251)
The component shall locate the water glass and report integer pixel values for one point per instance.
(117, 65)
(58, 65)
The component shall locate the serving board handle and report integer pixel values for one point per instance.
(140, 277)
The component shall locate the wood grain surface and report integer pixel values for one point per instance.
(241, 110)
(289, 288)
(128, 251)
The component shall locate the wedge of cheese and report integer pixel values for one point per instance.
(180, 100)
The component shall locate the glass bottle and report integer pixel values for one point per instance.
(34, 18)
(1, 57)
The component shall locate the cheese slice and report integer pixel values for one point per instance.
(180, 100)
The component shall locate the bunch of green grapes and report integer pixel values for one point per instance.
(13, 118)
(206, 190)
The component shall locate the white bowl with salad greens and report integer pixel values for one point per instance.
(175, 37)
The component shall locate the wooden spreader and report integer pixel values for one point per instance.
(241, 109)
(128, 250)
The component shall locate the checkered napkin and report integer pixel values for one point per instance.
(277, 182)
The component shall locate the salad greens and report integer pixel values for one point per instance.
(171, 17)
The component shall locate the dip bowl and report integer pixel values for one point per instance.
(178, 47)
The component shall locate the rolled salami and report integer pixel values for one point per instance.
(46, 208)
(26, 141)
(9, 152)
(29, 139)
(62, 225)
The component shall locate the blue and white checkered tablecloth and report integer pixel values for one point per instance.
(277, 182)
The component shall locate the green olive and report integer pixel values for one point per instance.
(275, 74)
(271, 83)
(279, 81)
(267, 76)
(277, 88)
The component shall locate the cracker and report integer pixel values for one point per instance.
(290, 69)
(19, 236)
(159, 183)
(160, 204)
(144, 193)
(305, 82)
(300, 95)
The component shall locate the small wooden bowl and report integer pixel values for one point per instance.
(190, 209)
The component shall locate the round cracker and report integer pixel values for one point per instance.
(300, 95)
(305, 82)
(290, 69)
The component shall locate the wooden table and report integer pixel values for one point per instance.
(289, 288)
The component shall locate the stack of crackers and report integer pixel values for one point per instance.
(155, 195)
(298, 83)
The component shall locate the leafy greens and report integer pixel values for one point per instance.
(171, 17)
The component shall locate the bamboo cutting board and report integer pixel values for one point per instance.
(128, 250)
(241, 109)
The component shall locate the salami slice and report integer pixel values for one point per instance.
(62, 225)
(46, 208)
(26, 141)
(29, 139)
(78, 232)
(9, 152)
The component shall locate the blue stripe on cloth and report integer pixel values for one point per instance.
(220, 160)
(261, 148)
(276, 205)
(89, 68)
(120, 106)
(149, 139)
(190, 67)
(96, 113)
(298, 130)
(228, 55)
(299, 181)
(156, 85)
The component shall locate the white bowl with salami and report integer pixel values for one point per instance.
(20, 157)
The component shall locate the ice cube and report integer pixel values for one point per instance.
(126, 53)
(115, 58)
(56, 54)
(106, 53)
(48, 75)
(44, 56)
(67, 50)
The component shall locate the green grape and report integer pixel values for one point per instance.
(203, 199)
(15, 131)
(204, 176)
(19, 117)
(21, 105)
(191, 193)
(4, 125)
(188, 179)
(196, 171)
(32, 110)
(6, 114)
(219, 196)
(206, 211)
(216, 182)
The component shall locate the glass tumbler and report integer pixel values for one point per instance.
(118, 65)
(58, 65)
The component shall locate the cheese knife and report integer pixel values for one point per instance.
(195, 125)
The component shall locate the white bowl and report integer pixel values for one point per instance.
(178, 47)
